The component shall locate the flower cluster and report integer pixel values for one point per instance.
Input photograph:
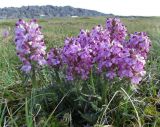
(116, 28)
(100, 46)
(108, 50)
(30, 44)
(134, 57)
(77, 57)
(140, 42)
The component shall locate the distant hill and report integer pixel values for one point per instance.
(46, 12)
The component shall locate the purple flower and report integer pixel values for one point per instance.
(26, 68)
(111, 74)
(136, 79)
(5, 33)
(54, 58)
(140, 42)
(30, 44)
(77, 57)
(117, 30)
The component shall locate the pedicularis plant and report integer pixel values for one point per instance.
(105, 49)
(30, 47)
(30, 44)
(108, 52)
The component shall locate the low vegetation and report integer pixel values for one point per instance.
(97, 101)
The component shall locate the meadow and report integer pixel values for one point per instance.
(54, 103)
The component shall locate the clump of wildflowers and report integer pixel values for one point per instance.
(30, 44)
(105, 48)
(108, 49)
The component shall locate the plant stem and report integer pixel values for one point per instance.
(34, 82)
(104, 91)
(92, 82)
(57, 76)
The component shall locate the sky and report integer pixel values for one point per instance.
(117, 7)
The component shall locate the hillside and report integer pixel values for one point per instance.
(45, 12)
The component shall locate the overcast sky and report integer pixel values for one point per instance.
(118, 7)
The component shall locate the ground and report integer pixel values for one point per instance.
(13, 94)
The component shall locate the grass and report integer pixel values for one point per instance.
(16, 99)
